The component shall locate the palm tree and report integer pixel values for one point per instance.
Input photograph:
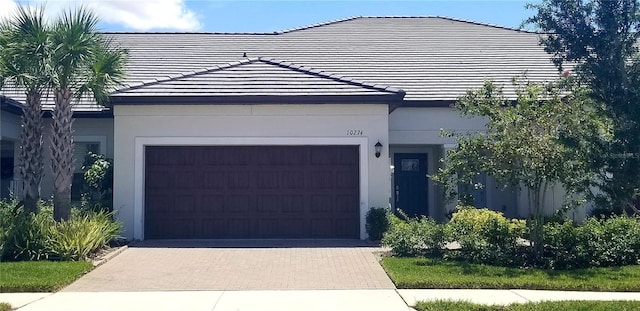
(83, 63)
(25, 50)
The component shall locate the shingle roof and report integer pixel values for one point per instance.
(255, 77)
(431, 58)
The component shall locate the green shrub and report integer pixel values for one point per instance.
(28, 236)
(607, 242)
(415, 237)
(24, 233)
(487, 236)
(98, 182)
(6, 223)
(81, 235)
(377, 222)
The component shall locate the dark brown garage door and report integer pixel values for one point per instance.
(252, 192)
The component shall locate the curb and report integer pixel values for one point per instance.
(110, 255)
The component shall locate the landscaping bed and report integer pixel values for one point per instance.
(532, 306)
(437, 273)
(40, 276)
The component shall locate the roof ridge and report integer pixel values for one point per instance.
(228, 65)
(277, 32)
(330, 22)
(270, 61)
(455, 19)
(316, 25)
(331, 76)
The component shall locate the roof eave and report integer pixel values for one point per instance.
(258, 99)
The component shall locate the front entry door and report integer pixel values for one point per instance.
(410, 187)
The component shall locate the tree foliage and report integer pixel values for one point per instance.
(599, 38)
(70, 58)
(545, 137)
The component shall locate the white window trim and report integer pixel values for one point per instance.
(142, 142)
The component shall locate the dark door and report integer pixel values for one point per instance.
(208, 192)
(410, 175)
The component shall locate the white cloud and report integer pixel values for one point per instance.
(140, 15)
(148, 14)
(8, 7)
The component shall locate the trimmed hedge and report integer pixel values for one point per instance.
(597, 242)
(415, 237)
(487, 237)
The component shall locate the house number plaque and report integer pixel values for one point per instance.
(355, 132)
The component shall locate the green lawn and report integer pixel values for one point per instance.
(430, 273)
(539, 306)
(40, 276)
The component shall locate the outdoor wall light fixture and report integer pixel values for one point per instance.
(378, 147)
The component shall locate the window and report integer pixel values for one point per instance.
(80, 153)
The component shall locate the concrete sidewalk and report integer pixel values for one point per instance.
(283, 300)
(314, 300)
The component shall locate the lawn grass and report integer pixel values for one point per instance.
(431, 273)
(532, 306)
(40, 276)
(5, 306)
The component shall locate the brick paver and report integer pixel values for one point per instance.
(239, 265)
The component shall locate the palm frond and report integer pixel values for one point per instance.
(74, 38)
(25, 48)
(107, 71)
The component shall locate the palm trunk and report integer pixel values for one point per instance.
(62, 154)
(31, 151)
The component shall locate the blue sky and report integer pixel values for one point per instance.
(268, 16)
(264, 16)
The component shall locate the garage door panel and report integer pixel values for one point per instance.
(187, 180)
(348, 158)
(237, 203)
(239, 180)
(322, 228)
(239, 228)
(180, 228)
(321, 203)
(268, 204)
(183, 204)
(267, 180)
(293, 204)
(344, 204)
(345, 227)
(158, 180)
(321, 180)
(237, 156)
(214, 227)
(293, 180)
(268, 228)
(294, 156)
(252, 192)
(212, 203)
(293, 228)
(346, 180)
(159, 203)
(213, 179)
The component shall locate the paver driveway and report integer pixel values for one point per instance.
(239, 265)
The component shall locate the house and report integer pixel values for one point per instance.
(292, 134)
